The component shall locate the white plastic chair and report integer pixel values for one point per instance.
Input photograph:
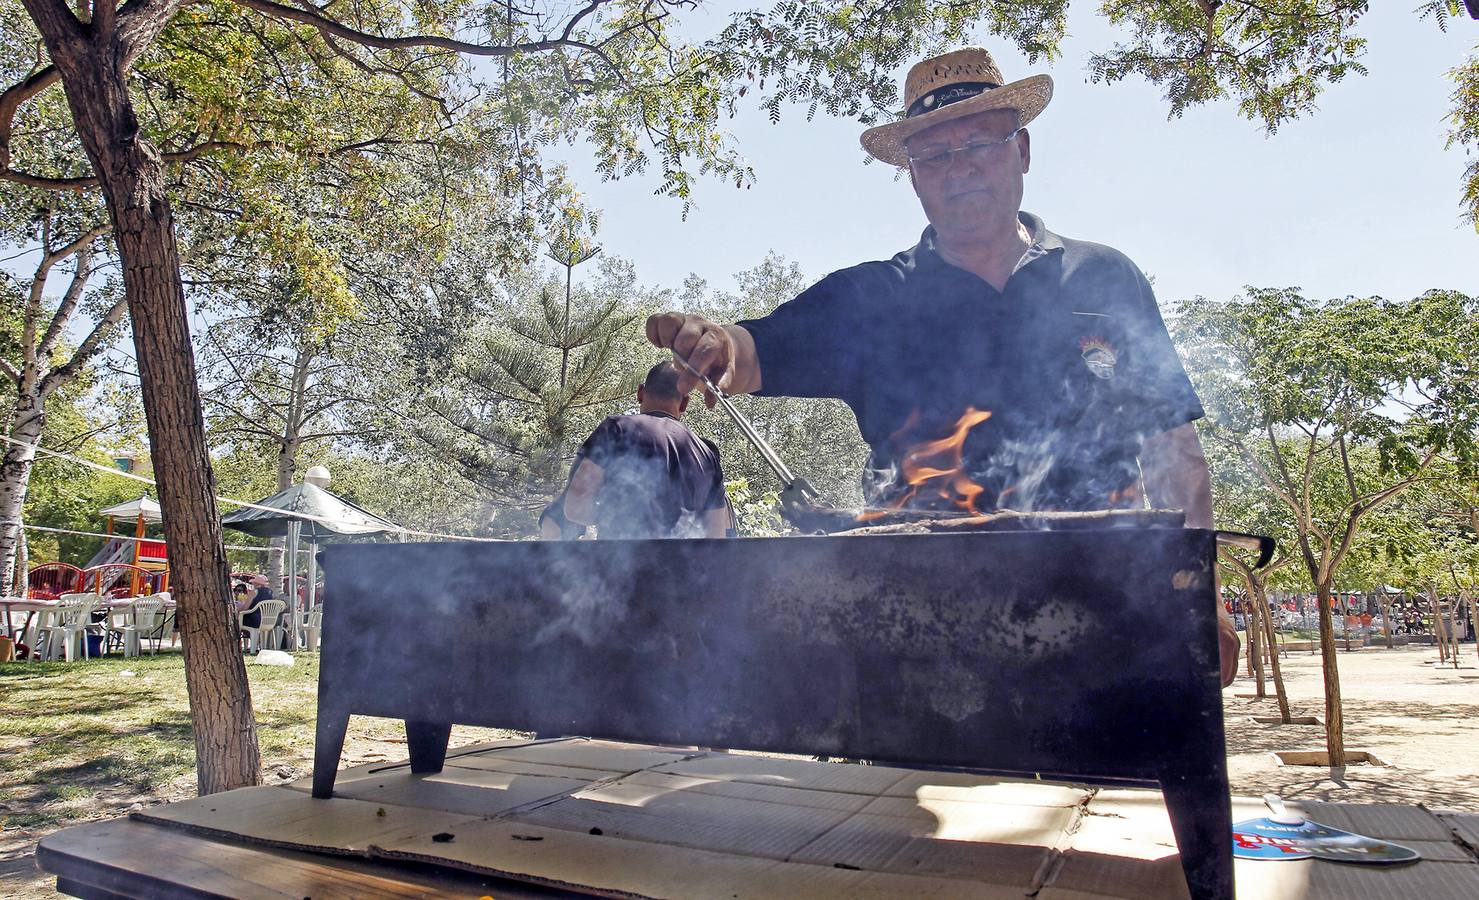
(312, 628)
(34, 635)
(264, 632)
(119, 620)
(66, 637)
(168, 623)
(143, 623)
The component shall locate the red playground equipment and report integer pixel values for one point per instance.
(49, 581)
(125, 580)
(139, 565)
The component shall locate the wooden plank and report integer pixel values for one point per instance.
(128, 858)
(290, 818)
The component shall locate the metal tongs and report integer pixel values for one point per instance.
(797, 496)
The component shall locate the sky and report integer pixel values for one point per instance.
(1360, 198)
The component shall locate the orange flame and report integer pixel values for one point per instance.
(934, 469)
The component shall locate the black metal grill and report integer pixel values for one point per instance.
(1081, 654)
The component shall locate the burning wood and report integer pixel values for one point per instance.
(925, 521)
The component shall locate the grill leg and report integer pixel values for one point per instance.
(1201, 817)
(328, 744)
(428, 745)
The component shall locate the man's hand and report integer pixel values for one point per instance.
(725, 354)
(1227, 646)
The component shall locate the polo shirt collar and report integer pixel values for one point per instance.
(660, 414)
(1043, 242)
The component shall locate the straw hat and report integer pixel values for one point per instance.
(258, 580)
(960, 83)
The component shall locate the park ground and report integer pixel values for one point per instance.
(93, 740)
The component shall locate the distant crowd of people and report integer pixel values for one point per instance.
(1357, 614)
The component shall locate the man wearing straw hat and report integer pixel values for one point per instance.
(1060, 340)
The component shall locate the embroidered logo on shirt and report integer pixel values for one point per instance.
(1099, 356)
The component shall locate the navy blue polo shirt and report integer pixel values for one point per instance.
(1072, 360)
(658, 478)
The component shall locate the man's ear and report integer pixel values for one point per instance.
(1024, 148)
(683, 405)
(641, 394)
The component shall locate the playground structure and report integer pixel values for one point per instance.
(146, 559)
(126, 566)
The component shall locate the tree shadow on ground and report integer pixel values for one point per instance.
(1368, 727)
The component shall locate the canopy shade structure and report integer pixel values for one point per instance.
(132, 509)
(330, 514)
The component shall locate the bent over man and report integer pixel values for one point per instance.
(646, 475)
(1060, 341)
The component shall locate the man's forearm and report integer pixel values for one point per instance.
(746, 377)
(1176, 476)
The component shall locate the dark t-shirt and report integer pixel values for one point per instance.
(1071, 360)
(658, 480)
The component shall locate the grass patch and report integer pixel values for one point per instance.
(92, 738)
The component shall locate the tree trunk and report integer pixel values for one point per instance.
(565, 329)
(289, 443)
(26, 422)
(22, 565)
(1253, 627)
(1273, 650)
(1334, 721)
(1260, 599)
(1447, 618)
(1386, 617)
(1439, 637)
(93, 60)
(286, 464)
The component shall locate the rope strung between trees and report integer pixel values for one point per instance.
(125, 537)
(272, 509)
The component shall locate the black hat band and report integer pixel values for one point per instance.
(950, 93)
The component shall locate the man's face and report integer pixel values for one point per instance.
(970, 193)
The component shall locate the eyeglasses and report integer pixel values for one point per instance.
(975, 153)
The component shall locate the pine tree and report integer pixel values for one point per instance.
(518, 395)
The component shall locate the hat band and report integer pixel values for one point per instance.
(950, 93)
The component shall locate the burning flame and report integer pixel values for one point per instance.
(934, 469)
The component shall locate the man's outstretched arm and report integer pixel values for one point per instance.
(1176, 477)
